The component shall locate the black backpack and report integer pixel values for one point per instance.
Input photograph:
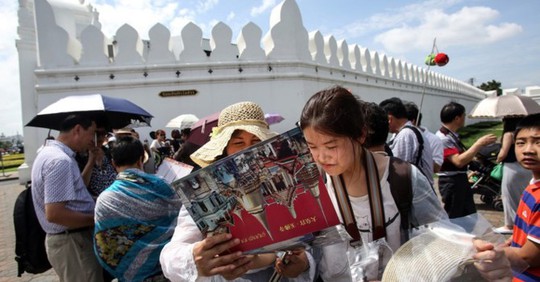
(30, 251)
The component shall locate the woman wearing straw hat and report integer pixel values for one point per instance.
(189, 256)
(334, 128)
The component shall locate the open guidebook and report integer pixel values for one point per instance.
(270, 196)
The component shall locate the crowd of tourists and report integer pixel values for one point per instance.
(108, 216)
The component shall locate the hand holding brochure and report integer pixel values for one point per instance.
(270, 196)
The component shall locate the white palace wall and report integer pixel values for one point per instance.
(65, 53)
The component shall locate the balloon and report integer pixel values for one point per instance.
(430, 60)
(441, 59)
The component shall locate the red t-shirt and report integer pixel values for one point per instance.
(527, 227)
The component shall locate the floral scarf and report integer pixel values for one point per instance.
(134, 218)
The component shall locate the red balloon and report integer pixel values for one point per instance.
(441, 59)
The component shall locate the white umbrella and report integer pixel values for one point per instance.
(504, 106)
(182, 121)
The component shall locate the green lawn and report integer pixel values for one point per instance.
(12, 161)
(469, 134)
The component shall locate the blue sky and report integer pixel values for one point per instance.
(485, 39)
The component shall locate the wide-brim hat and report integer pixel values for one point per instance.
(246, 116)
(434, 257)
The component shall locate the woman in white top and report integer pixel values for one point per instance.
(333, 125)
(191, 257)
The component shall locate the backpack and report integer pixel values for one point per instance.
(399, 178)
(30, 251)
(420, 140)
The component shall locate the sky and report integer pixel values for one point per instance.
(485, 39)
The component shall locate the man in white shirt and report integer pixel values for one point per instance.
(408, 143)
(434, 141)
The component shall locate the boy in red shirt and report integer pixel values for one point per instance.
(525, 245)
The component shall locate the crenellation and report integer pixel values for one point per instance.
(192, 52)
(398, 68)
(330, 51)
(376, 64)
(220, 43)
(94, 47)
(248, 41)
(354, 57)
(316, 47)
(365, 60)
(392, 71)
(129, 46)
(287, 38)
(343, 54)
(160, 51)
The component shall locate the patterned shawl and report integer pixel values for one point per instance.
(134, 218)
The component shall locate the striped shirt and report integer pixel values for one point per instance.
(451, 146)
(406, 146)
(527, 226)
(56, 178)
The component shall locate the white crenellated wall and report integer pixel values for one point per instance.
(67, 54)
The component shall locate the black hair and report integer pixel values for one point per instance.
(127, 151)
(528, 122)
(412, 112)
(336, 112)
(103, 122)
(186, 132)
(394, 106)
(450, 111)
(72, 120)
(377, 125)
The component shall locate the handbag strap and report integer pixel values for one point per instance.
(375, 202)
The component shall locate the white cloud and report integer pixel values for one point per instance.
(231, 16)
(468, 26)
(265, 5)
(206, 5)
(391, 18)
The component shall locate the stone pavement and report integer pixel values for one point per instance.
(10, 189)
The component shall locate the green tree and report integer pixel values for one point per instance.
(491, 85)
(5, 144)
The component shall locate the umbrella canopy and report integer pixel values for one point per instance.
(200, 131)
(273, 118)
(119, 112)
(505, 106)
(182, 121)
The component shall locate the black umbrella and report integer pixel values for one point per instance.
(119, 112)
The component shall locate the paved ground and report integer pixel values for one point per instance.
(10, 189)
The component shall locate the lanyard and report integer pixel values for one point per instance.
(375, 202)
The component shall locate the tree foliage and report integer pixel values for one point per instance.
(491, 85)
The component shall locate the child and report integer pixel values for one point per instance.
(526, 239)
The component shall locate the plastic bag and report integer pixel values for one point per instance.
(497, 172)
(443, 251)
(368, 261)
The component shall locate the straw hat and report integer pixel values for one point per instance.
(432, 257)
(246, 116)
